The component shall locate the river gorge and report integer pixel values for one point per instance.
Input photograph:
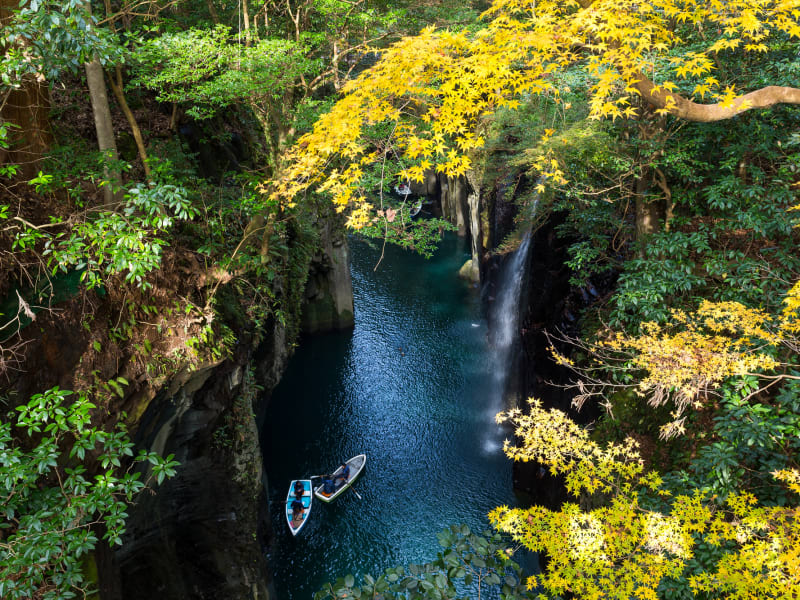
(414, 386)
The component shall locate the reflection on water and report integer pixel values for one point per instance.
(411, 387)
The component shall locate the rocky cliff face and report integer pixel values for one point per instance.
(547, 301)
(458, 199)
(328, 298)
(202, 533)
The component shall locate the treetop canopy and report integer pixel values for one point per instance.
(424, 103)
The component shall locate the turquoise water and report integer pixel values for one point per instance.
(412, 387)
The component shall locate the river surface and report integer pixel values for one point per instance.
(413, 387)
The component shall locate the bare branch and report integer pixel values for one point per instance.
(686, 109)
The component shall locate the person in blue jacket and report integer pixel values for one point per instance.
(343, 475)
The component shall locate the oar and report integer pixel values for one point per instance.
(356, 493)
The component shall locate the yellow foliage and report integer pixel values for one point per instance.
(790, 477)
(790, 322)
(623, 550)
(681, 360)
(553, 439)
(435, 89)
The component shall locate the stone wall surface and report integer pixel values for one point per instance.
(201, 533)
(328, 298)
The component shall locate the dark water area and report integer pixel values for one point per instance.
(412, 387)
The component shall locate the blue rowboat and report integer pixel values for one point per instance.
(297, 521)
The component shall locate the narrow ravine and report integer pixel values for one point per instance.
(412, 386)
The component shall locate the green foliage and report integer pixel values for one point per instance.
(47, 37)
(209, 70)
(732, 238)
(420, 236)
(113, 243)
(69, 166)
(591, 152)
(52, 495)
(478, 564)
(750, 440)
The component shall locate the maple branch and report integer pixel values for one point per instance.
(322, 78)
(684, 108)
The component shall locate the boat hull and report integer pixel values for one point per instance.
(306, 499)
(357, 464)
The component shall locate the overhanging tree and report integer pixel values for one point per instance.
(61, 477)
(436, 89)
(425, 105)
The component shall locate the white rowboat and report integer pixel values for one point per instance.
(356, 465)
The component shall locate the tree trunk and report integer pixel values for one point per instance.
(669, 205)
(649, 211)
(27, 108)
(103, 125)
(246, 18)
(104, 128)
(212, 11)
(337, 85)
(137, 133)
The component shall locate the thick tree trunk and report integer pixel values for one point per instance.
(27, 108)
(650, 208)
(649, 212)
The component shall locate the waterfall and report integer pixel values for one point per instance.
(506, 312)
(504, 332)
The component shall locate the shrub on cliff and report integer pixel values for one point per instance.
(61, 482)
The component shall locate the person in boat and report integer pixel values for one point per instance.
(327, 484)
(343, 475)
(299, 490)
(297, 510)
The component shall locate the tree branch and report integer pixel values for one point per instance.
(684, 108)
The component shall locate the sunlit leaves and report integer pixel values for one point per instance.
(209, 70)
(625, 548)
(696, 352)
(45, 38)
(124, 242)
(551, 438)
(436, 89)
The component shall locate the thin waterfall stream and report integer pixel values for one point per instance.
(415, 385)
(505, 320)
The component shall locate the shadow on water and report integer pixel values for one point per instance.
(410, 386)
